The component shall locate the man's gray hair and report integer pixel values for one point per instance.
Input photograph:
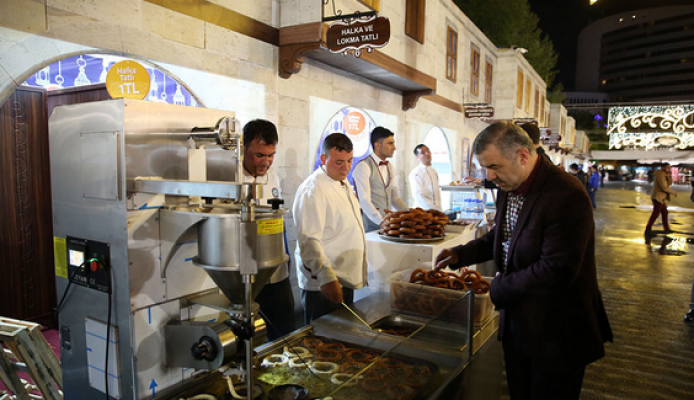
(506, 136)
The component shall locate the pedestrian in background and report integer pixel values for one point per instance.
(579, 174)
(660, 195)
(593, 183)
(689, 316)
(534, 132)
(602, 176)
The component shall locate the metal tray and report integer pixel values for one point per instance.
(434, 333)
(316, 386)
(414, 240)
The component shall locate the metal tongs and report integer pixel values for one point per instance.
(359, 318)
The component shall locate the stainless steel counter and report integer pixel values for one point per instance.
(445, 344)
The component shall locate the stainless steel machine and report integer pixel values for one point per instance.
(160, 248)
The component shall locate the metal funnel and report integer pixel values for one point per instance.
(231, 283)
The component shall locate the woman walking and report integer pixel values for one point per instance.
(660, 195)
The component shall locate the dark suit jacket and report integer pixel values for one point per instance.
(549, 291)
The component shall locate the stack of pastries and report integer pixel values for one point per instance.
(414, 223)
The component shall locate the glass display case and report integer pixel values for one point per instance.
(470, 202)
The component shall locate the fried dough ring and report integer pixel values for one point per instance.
(324, 367)
(339, 347)
(359, 356)
(312, 342)
(418, 273)
(275, 360)
(341, 378)
(373, 385)
(327, 355)
(399, 392)
(352, 367)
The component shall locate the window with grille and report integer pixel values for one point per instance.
(451, 54)
(488, 81)
(519, 96)
(475, 72)
(528, 91)
(537, 104)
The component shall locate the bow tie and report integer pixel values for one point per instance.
(382, 163)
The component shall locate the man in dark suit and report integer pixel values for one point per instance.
(553, 322)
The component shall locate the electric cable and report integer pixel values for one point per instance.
(62, 298)
(108, 326)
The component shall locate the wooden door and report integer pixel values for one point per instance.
(27, 277)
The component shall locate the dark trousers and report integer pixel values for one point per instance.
(658, 209)
(316, 304)
(276, 301)
(592, 196)
(532, 380)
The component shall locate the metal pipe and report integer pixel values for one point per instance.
(249, 342)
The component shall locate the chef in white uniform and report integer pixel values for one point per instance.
(424, 181)
(276, 299)
(331, 247)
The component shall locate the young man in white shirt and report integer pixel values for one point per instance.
(374, 180)
(275, 299)
(331, 247)
(424, 181)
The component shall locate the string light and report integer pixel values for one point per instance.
(652, 126)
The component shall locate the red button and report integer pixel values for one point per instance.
(94, 265)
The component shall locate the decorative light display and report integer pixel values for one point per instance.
(651, 127)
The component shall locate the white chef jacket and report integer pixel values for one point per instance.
(361, 175)
(424, 183)
(330, 234)
(271, 190)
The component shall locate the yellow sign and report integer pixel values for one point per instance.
(127, 79)
(270, 226)
(60, 256)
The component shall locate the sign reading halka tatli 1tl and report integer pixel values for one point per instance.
(369, 34)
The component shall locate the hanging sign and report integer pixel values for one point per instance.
(548, 138)
(521, 121)
(369, 34)
(127, 79)
(479, 112)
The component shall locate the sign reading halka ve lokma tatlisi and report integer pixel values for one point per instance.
(370, 33)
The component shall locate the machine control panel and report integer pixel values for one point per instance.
(88, 263)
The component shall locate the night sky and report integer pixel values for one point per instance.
(563, 20)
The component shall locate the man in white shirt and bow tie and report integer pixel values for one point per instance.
(374, 180)
(424, 181)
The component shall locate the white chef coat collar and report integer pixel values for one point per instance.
(257, 179)
(324, 172)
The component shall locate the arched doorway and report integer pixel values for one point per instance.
(437, 143)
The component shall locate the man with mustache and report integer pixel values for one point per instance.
(553, 322)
